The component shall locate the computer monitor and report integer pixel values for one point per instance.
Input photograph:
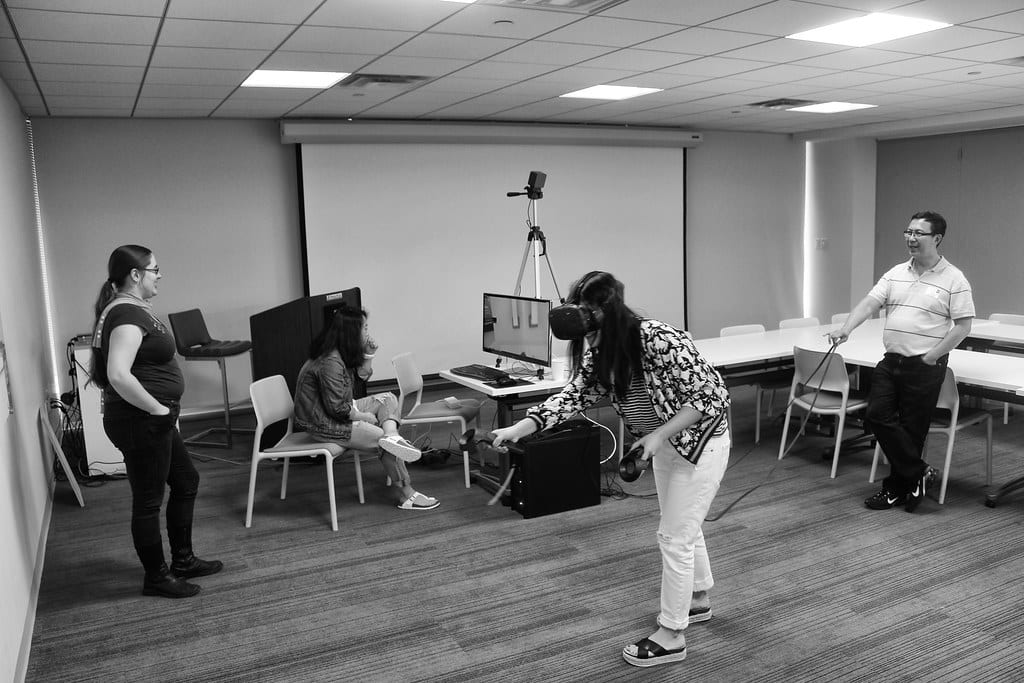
(517, 327)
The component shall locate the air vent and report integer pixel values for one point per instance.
(360, 80)
(584, 6)
(781, 103)
(1012, 61)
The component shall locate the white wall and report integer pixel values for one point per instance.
(744, 226)
(215, 200)
(974, 180)
(840, 211)
(25, 469)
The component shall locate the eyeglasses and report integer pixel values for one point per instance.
(155, 270)
(917, 234)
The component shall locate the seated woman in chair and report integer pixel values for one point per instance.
(324, 406)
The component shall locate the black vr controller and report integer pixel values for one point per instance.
(632, 465)
(471, 443)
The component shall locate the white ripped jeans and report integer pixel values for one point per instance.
(685, 493)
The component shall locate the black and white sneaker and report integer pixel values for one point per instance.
(915, 497)
(883, 500)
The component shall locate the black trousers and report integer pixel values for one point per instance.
(155, 458)
(904, 390)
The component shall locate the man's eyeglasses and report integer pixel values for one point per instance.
(917, 234)
(156, 269)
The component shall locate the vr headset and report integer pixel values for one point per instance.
(572, 321)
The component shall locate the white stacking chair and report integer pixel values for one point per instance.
(951, 418)
(410, 383)
(759, 387)
(272, 403)
(788, 323)
(823, 390)
(1009, 319)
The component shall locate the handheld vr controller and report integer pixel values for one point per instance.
(632, 466)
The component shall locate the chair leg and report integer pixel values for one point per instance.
(785, 432)
(284, 477)
(359, 479)
(329, 463)
(252, 491)
(950, 438)
(988, 452)
(1006, 413)
(839, 445)
(197, 439)
(757, 415)
(874, 462)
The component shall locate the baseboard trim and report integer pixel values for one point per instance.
(25, 651)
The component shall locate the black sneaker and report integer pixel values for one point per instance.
(883, 500)
(915, 497)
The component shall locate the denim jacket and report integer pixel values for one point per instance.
(323, 397)
(674, 374)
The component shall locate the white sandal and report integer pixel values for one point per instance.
(417, 501)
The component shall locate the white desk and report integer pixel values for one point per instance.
(508, 398)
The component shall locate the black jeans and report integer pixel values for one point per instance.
(904, 390)
(154, 457)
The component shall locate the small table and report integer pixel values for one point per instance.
(509, 398)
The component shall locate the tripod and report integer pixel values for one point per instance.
(536, 244)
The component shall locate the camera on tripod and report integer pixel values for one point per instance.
(533, 186)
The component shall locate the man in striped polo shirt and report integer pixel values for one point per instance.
(928, 312)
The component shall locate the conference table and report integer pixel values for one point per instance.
(987, 375)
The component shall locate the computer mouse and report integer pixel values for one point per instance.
(505, 382)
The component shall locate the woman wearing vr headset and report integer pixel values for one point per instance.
(673, 402)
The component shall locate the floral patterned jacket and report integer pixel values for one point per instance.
(674, 373)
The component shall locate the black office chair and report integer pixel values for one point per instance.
(194, 343)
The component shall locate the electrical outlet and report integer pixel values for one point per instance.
(821, 243)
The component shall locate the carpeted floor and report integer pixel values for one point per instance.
(810, 585)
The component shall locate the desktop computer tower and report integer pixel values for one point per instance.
(556, 470)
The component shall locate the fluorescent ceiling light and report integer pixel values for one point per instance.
(610, 92)
(316, 80)
(868, 30)
(832, 107)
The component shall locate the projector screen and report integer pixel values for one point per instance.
(425, 229)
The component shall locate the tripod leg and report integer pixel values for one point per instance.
(522, 267)
(554, 280)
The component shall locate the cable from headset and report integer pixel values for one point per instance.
(803, 423)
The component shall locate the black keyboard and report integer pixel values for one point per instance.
(480, 372)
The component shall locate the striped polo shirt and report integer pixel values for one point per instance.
(919, 311)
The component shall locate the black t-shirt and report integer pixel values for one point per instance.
(154, 366)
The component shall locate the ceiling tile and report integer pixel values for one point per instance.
(958, 11)
(685, 12)
(782, 50)
(400, 15)
(1011, 21)
(993, 52)
(198, 76)
(637, 60)
(53, 52)
(10, 51)
(236, 34)
(610, 32)
(503, 22)
(448, 46)
(855, 58)
(269, 11)
(555, 54)
(178, 90)
(346, 40)
(89, 73)
(783, 17)
(714, 66)
(84, 28)
(316, 61)
(60, 88)
(703, 41)
(207, 58)
(944, 40)
(504, 71)
(415, 66)
(145, 8)
(916, 66)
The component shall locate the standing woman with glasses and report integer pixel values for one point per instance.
(133, 362)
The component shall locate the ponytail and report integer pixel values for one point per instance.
(122, 261)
